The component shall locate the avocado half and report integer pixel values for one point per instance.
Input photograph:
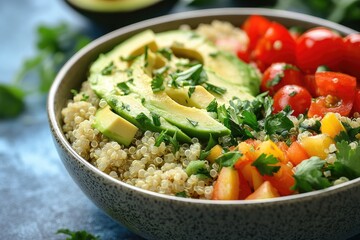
(113, 14)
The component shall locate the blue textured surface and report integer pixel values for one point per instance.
(37, 196)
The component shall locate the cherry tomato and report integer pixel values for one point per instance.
(319, 46)
(235, 46)
(298, 98)
(335, 84)
(255, 27)
(356, 106)
(278, 75)
(351, 61)
(324, 104)
(277, 45)
(310, 84)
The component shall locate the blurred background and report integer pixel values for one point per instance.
(37, 197)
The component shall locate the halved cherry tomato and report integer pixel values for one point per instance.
(282, 180)
(356, 106)
(310, 84)
(278, 75)
(319, 46)
(296, 153)
(298, 98)
(336, 84)
(351, 61)
(233, 45)
(324, 104)
(277, 45)
(255, 27)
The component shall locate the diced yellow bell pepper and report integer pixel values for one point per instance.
(317, 145)
(331, 125)
(215, 152)
(270, 148)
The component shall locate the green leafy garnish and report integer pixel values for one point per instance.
(228, 159)
(211, 143)
(191, 91)
(109, 69)
(143, 120)
(197, 167)
(212, 107)
(146, 56)
(214, 89)
(156, 119)
(129, 58)
(309, 175)
(11, 101)
(157, 84)
(77, 235)
(349, 135)
(264, 163)
(181, 194)
(193, 76)
(161, 138)
(347, 163)
(166, 52)
(279, 123)
(174, 143)
(124, 88)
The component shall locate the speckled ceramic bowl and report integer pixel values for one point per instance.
(333, 213)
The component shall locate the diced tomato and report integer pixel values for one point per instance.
(255, 27)
(351, 60)
(266, 190)
(244, 190)
(227, 185)
(278, 75)
(336, 84)
(298, 98)
(310, 84)
(319, 46)
(277, 45)
(282, 180)
(322, 105)
(296, 153)
(356, 106)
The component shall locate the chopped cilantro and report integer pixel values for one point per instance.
(278, 123)
(228, 159)
(174, 143)
(143, 120)
(347, 163)
(214, 89)
(124, 88)
(78, 235)
(192, 122)
(315, 127)
(212, 107)
(191, 91)
(195, 75)
(264, 163)
(309, 175)
(74, 92)
(85, 97)
(146, 56)
(161, 71)
(157, 84)
(166, 52)
(129, 58)
(109, 69)
(275, 80)
(349, 135)
(214, 54)
(181, 194)
(161, 138)
(197, 167)
(156, 119)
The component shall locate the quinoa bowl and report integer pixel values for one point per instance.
(331, 213)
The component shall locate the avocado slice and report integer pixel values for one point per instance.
(114, 127)
(226, 65)
(114, 5)
(121, 55)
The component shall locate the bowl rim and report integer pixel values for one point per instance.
(214, 12)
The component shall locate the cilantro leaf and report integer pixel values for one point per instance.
(124, 88)
(214, 89)
(349, 135)
(278, 123)
(181, 194)
(143, 120)
(347, 163)
(157, 84)
(309, 175)
(193, 76)
(109, 69)
(156, 119)
(228, 159)
(174, 143)
(11, 101)
(78, 235)
(191, 91)
(166, 53)
(264, 164)
(161, 138)
(212, 107)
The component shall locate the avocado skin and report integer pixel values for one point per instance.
(112, 20)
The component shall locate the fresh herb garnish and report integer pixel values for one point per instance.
(174, 143)
(193, 76)
(11, 101)
(156, 119)
(214, 54)
(279, 123)
(77, 235)
(157, 84)
(192, 122)
(197, 167)
(214, 89)
(109, 69)
(124, 88)
(85, 97)
(166, 52)
(212, 107)
(181, 194)
(128, 58)
(191, 91)
(309, 175)
(143, 120)
(347, 163)
(146, 56)
(264, 163)
(228, 159)
(349, 135)
(161, 138)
